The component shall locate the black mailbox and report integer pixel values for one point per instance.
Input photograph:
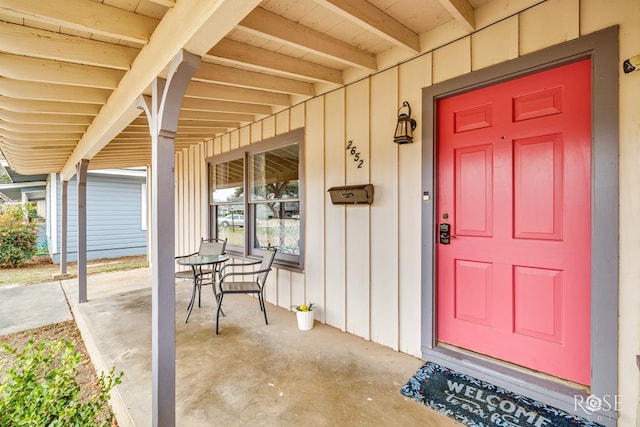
(352, 194)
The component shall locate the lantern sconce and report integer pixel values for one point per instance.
(631, 64)
(405, 127)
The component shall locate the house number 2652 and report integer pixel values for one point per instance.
(354, 152)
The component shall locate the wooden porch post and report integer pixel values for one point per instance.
(63, 229)
(82, 229)
(162, 116)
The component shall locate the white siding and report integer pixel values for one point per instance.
(334, 216)
(413, 76)
(358, 223)
(384, 211)
(314, 208)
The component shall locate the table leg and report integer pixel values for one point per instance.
(193, 294)
(214, 284)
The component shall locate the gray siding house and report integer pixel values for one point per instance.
(116, 214)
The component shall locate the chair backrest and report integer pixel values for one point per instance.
(267, 261)
(212, 247)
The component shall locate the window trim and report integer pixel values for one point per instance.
(248, 251)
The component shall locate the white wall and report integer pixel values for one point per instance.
(362, 263)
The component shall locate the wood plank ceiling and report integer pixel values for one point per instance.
(70, 70)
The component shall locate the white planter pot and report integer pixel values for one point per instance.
(305, 320)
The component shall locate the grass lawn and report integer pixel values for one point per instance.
(41, 269)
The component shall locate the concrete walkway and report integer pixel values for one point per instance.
(28, 307)
(250, 374)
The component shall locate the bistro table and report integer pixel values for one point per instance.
(196, 262)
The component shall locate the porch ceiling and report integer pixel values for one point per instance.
(70, 70)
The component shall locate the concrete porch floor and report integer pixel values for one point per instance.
(250, 374)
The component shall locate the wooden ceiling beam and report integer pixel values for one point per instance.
(197, 137)
(124, 137)
(143, 140)
(66, 146)
(49, 71)
(113, 162)
(275, 27)
(182, 130)
(29, 169)
(21, 40)
(166, 3)
(81, 15)
(199, 104)
(215, 116)
(210, 123)
(41, 128)
(51, 92)
(49, 107)
(250, 79)
(125, 143)
(369, 17)
(462, 12)
(42, 153)
(210, 131)
(241, 53)
(110, 163)
(44, 119)
(137, 152)
(228, 93)
(34, 145)
(140, 143)
(36, 136)
(128, 131)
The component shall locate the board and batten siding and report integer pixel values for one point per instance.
(363, 263)
(354, 271)
(114, 217)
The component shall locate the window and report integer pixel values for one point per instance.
(270, 212)
(227, 200)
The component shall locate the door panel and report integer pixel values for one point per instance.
(473, 292)
(537, 187)
(514, 183)
(474, 177)
(538, 303)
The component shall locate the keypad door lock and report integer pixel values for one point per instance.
(445, 234)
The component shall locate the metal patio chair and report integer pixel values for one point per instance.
(202, 275)
(246, 282)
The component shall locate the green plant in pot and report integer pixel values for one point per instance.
(304, 315)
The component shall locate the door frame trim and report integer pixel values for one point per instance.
(602, 48)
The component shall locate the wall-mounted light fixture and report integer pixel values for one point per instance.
(405, 127)
(631, 64)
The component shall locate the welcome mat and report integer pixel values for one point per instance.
(477, 403)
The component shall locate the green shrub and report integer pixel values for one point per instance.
(18, 237)
(19, 210)
(40, 389)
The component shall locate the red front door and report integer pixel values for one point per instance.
(514, 183)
